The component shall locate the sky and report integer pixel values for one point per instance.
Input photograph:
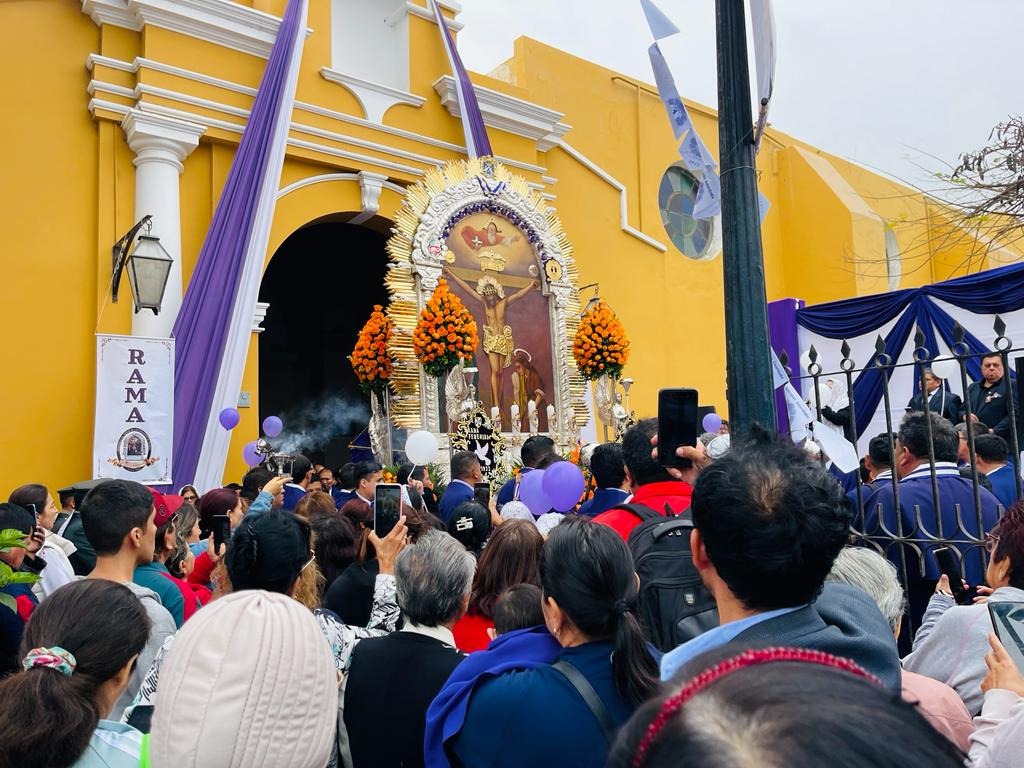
(900, 86)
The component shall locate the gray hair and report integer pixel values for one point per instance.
(869, 571)
(433, 578)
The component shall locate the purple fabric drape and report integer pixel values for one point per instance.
(782, 331)
(477, 143)
(201, 328)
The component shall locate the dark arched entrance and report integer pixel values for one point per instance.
(321, 286)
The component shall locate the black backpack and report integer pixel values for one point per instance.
(675, 606)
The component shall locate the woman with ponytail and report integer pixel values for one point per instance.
(567, 713)
(77, 655)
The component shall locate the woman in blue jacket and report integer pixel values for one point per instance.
(565, 714)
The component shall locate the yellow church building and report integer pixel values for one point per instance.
(123, 108)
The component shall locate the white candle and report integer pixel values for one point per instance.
(531, 407)
(551, 411)
(494, 413)
(515, 410)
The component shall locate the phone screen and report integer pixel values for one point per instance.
(387, 508)
(1008, 622)
(482, 493)
(677, 425)
(221, 530)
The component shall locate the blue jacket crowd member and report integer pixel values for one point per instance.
(769, 522)
(916, 501)
(609, 471)
(993, 460)
(534, 449)
(344, 489)
(878, 466)
(940, 400)
(465, 472)
(590, 594)
(366, 475)
(302, 476)
(989, 397)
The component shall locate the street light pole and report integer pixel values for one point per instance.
(747, 351)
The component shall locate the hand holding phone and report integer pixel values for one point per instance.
(677, 425)
(950, 568)
(387, 508)
(1008, 623)
(482, 493)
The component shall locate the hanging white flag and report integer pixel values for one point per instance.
(762, 19)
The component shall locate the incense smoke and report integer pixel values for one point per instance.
(312, 425)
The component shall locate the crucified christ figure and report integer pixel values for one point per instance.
(497, 341)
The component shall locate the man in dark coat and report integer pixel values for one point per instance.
(989, 398)
(940, 399)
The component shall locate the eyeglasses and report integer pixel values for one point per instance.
(312, 559)
(991, 542)
(189, 498)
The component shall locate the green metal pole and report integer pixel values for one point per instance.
(748, 357)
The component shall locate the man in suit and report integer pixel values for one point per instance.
(392, 680)
(609, 471)
(940, 399)
(302, 476)
(989, 397)
(465, 472)
(991, 454)
(878, 465)
(768, 524)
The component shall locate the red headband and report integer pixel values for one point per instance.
(748, 658)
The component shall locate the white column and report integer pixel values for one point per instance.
(160, 145)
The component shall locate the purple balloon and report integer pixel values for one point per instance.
(712, 422)
(531, 492)
(229, 418)
(563, 484)
(272, 426)
(252, 458)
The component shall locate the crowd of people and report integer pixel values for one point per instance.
(744, 610)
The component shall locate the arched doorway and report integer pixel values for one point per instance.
(321, 285)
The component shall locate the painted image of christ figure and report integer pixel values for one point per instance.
(494, 269)
(498, 338)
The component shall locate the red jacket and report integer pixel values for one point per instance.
(675, 493)
(201, 571)
(190, 593)
(471, 632)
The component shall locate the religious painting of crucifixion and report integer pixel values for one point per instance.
(496, 273)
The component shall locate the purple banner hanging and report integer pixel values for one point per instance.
(203, 323)
(477, 143)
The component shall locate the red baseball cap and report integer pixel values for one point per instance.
(166, 505)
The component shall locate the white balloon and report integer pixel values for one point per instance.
(945, 368)
(421, 447)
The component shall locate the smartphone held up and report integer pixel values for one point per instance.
(387, 508)
(677, 425)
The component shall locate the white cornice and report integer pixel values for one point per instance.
(507, 113)
(216, 21)
(410, 8)
(375, 99)
(157, 138)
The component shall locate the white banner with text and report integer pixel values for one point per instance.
(134, 409)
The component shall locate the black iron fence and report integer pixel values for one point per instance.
(908, 537)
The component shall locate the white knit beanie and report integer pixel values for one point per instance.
(248, 682)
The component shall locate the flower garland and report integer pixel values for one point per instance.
(600, 347)
(370, 359)
(445, 332)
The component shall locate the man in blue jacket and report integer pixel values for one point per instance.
(466, 471)
(768, 524)
(914, 513)
(993, 460)
(533, 451)
(609, 471)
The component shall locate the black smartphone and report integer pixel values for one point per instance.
(948, 565)
(1008, 623)
(35, 512)
(221, 530)
(387, 508)
(677, 425)
(482, 493)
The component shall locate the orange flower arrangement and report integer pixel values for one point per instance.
(600, 347)
(445, 333)
(370, 359)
